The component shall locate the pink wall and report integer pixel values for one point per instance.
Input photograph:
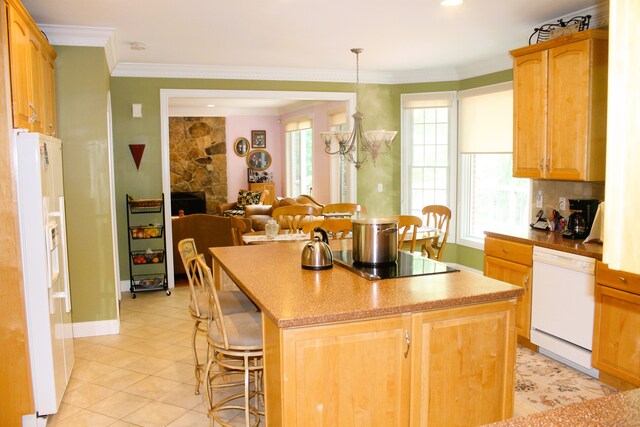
(320, 118)
(241, 126)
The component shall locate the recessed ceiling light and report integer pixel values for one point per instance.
(138, 46)
(210, 105)
(451, 2)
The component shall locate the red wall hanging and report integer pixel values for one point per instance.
(136, 152)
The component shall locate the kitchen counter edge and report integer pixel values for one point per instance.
(550, 240)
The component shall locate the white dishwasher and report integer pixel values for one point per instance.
(562, 306)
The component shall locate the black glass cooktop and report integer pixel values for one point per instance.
(407, 265)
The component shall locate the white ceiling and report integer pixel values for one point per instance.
(400, 36)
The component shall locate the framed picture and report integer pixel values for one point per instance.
(259, 160)
(258, 139)
(241, 147)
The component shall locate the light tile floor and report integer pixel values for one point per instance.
(144, 376)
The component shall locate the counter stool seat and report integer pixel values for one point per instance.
(230, 302)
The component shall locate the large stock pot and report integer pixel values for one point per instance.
(375, 240)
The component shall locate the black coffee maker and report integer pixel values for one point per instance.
(581, 218)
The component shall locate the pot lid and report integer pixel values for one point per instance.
(383, 220)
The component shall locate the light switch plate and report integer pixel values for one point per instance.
(539, 200)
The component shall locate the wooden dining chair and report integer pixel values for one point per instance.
(293, 217)
(238, 227)
(347, 208)
(437, 216)
(408, 224)
(232, 301)
(338, 228)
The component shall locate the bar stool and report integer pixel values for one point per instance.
(230, 301)
(236, 342)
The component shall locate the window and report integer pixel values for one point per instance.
(338, 123)
(299, 152)
(428, 151)
(490, 198)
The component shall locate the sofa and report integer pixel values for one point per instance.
(207, 230)
(260, 214)
(245, 198)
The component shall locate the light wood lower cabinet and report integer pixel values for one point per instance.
(463, 365)
(511, 262)
(445, 367)
(616, 332)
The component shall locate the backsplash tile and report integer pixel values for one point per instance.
(553, 190)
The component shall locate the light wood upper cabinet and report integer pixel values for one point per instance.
(32, 72)
(560, 107)
(511, 262)
(50, 121)
(616, 332)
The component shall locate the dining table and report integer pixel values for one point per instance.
(283, 236)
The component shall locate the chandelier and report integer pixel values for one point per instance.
(358, 146)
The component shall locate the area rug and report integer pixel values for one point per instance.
(546, 384)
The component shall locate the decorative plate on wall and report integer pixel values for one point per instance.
(259, 160)
(241, 147)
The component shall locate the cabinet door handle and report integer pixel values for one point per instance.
(526, 280)
(549, 164)
(541, 164)
(408, 341)
(622, 279)
(52, 129)
(34, 113)
(505, 250)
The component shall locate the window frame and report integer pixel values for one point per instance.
(406, 155)
(464, 185)
(288, 154)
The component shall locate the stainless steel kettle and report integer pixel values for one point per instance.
(317, 254)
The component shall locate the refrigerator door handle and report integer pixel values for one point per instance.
(65, 267)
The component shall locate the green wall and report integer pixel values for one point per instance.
(380, 105)
(82, 83)
(377, 102)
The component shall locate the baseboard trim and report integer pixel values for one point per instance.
(94, 329)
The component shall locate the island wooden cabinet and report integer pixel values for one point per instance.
(560, 108)
(32, 72)
(324, 365)
(511, 262)
(462, 368)
(616, 332)
(436, 368)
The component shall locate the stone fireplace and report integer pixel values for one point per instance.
(198, 157)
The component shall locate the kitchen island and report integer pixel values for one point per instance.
(343, 350)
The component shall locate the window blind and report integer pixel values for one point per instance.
(297, 125)
(486, 119)
(427, 100)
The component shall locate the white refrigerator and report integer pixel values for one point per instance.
(45, 268)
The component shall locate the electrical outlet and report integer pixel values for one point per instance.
(562, 204)
(539, 200)
(380, 188)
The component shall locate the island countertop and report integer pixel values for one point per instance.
(290, 296)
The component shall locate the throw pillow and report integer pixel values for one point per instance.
(248, 198)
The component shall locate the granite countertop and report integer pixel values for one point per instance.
(551, 240)
(619, 409)
(291, 296)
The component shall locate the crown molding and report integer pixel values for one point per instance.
(66, 35)
(487, 66)
(425, 76)
(128, 69)
(221, 112)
